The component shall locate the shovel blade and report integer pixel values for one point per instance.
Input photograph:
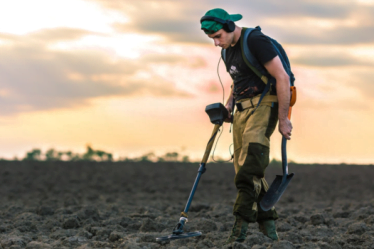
(275, 192)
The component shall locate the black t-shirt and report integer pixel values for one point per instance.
(246, 83)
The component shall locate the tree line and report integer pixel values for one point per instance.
(103, 156)
(99, 155)
(54, 155)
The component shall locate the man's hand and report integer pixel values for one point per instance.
(229, 105)
(229, 109)
(285, 128)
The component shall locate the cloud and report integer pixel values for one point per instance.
(63, 79)
(185, 61)
(60, 34)
(179, 21)
(157, 87)
(297, 8)
(47, 36)
(176, 21)
(343, 35)
(173, 30)
(364, 83)
(8, 37)
(34, 77)
(329, 60)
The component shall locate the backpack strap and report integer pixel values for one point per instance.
(223, 55)
(284, 59)
(248, 58)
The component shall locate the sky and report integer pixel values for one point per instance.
(133, 77)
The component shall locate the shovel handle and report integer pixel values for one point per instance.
(284, 157)
(284, 140)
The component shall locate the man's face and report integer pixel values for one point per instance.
(222, 38)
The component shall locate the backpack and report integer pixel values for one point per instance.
(257, 67)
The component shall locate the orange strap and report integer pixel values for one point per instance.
(292, 101)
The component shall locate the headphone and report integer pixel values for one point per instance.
(228, 25)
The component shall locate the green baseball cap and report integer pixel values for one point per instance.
(210, 26)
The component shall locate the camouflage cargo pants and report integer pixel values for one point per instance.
(251, 157)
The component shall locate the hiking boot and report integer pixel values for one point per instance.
(239, 231)
(267, 227)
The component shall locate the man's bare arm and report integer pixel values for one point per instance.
(275, 68)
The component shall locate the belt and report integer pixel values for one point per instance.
(251, 103)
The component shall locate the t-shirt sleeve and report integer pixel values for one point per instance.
(261, 47)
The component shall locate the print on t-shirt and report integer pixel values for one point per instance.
(233, 71)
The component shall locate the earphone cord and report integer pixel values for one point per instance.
(223, 100)
(220, 81)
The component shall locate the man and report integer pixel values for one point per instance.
(252, 127)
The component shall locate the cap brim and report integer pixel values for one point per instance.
(236, 17)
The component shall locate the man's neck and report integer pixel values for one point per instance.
(237, 34)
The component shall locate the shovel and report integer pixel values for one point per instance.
(281, 182)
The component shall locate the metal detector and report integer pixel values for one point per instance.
(217, 114)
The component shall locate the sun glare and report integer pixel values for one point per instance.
(366, 52)
(121, 45)
(23, 16)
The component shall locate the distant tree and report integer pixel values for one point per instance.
(100, 154)
(185, 159)
(104, 156)
(97, 155)
(109, 157)
(70, 156)
(34, 155)
(89, 153)
(75, 157)
(126, 159)
(171, 156)
(52, 155)
(146, 157)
